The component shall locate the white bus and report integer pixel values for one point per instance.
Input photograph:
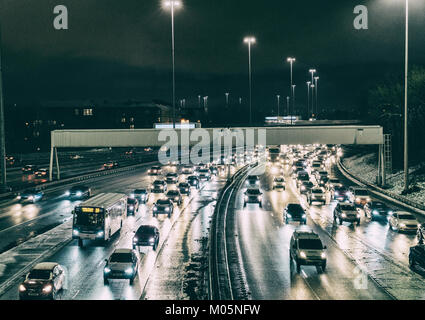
(99, 218)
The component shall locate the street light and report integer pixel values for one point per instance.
(315, 83)
(250, 41)
(172, 4)
(291, 61)
(308, 96)
(278, 104)
(293, 101)
(227, 99)
(287, 105)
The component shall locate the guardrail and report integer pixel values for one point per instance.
(219, 281)
(398, 199)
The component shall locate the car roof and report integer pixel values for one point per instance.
(45, 266)
(122, 251)
(405, 213)
(305, 234)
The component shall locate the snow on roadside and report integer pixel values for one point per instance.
(366, 168)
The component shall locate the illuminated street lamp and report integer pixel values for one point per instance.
(308, 96)
(227, 99)
(291, 61)
(250, 41)
(278, 104)
(315, 83)
(293, 101)
(173, 4)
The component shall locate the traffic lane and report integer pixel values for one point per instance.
(177, 269)
(264, 239)
(19, 223)
(85, 265)
(377, 233)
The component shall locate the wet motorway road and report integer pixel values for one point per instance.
(264, 242)
(84, 266)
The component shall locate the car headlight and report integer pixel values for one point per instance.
(336, 193)
(257, 182)
(79, 193)
(100, 234)
(47, 288)
(129, 270)
(132, 196)
(343, 215)
(135, 239)
(75, 232)
(167, 209)
(303, 216)
(155, 209)
(259, 198)
(358, 215)
(375, 212)
(161, 187)
(246, 198)
(390, 212)
(151, 239)
(302, 188)
(289, 215)
(303, 255)
(31, 198)
(131, 207)
(176, 198)
(67, 193)
(106, 269)
(402, 225)
(18, 197)
(357, 199)
(323, 255)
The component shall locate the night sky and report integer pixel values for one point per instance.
(122, 49)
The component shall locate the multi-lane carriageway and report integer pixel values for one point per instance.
(364, 262)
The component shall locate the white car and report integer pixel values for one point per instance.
(403, 221)
(122, 264)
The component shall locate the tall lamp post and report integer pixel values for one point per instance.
(291, 62)
(250, 41)
(312, 100)
(406, 78)
(293, 101)
(287, 105)
(278, 104)
(173, 4)
(227, 99)
(308, 96)
(317, 88)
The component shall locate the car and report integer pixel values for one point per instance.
(175, 196)
(142, 195)
(173, 163)
(78, 192)
(376, 210)
(334, 183)
(403, 221)
(253, 196)
(214, 170)
(171, 178)
(317, 195)
(305, 187)
(279, 183)
(184, 188)
(193, 181)
(132, 206)
(110, 165)
(146, 236)
(252, 181)
(306, 248)
(187, 169)
(302, 176)
(43, 282)
(41, 173)
(204, 174)
(417, 256)
(29, 169)
(122, 264)
(346, 212)
(358, 196)
(10, 161)
(155, 171)
(158, 186)
(294, 212)
(30, 195)
(323, 182)
(163, 206)
(340, 194)
(317, 165)
(296, 171)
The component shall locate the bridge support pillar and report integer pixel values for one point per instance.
(57, 164)
(52, 149)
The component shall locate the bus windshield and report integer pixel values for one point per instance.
(88, 219)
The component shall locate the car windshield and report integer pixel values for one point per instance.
(253, 191)
(173, 193)
(145, 229)
(279, 180)
(310, 244)
(406, 217)
(162, 202)
(158, 182)
(203, 171)
(361, 192)
(378, 205)
(183, 185)
(121, 257)
(75, 189)
(156, 168)
(171, 174)
(295, 209)
(131, 201)
(348, 207)
(317, 191)
(39, 274)
(252, 178)
(140, 191)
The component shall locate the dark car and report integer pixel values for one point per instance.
(30, 195)
(146, 236)
(305, 187)
(110, 165)
(346, 212)
(43, 282)
(132, 206)
(122, 264)
(29, 169)
(184, 188)
(155, 171)
(42, 173)
(140, 194)
(175, 196)
(340, 194)
(158, 186)
(253, 196)
(163, 206)
(204, 174)
(294, 212)
(417, 256)
(78, 192)
(376, 210)
(193, 181)
(172, 178)
(323, 181)
(214, 170)
(253, 181)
